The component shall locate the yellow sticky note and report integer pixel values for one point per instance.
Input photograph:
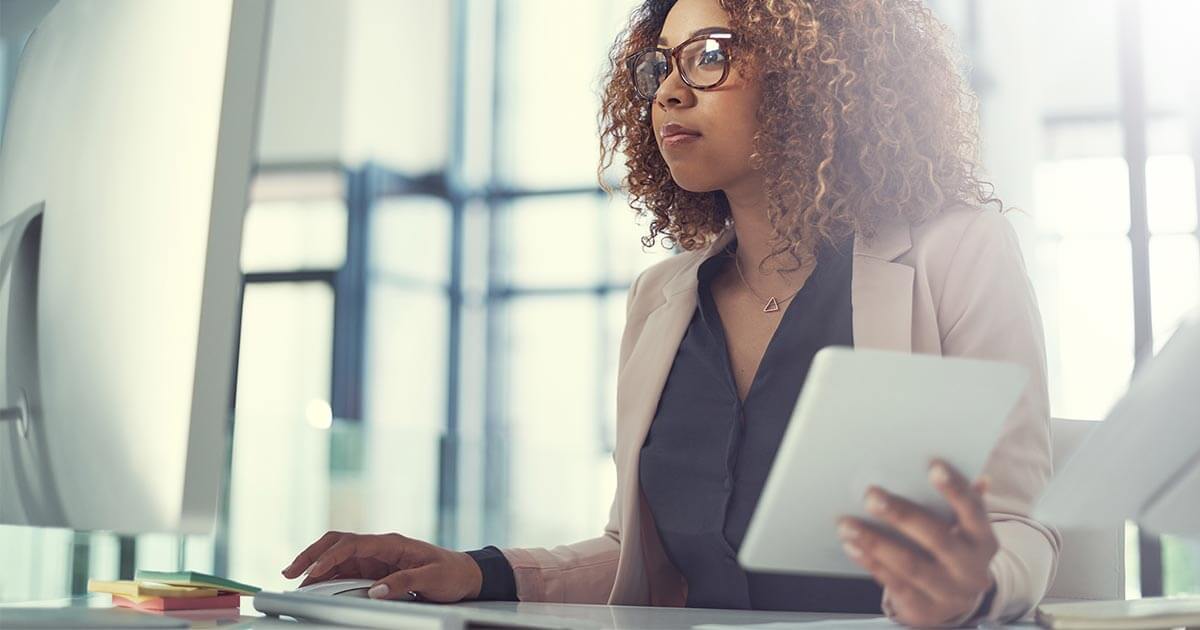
(134, 589)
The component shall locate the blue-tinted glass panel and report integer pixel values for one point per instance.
(1082, 196)
(1171, 50)
(1174, 282)
(37, 563)
(627, 256)
(289, 235)
(553, 241)
(280, 484)
(1084, 288)
(1171, 193)
(405, 408)
(410, 239)
(548, 95)
(1078, 64)
(558, 466)
(1181, 566)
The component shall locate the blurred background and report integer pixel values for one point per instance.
(435, 283)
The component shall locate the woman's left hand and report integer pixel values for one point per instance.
(937, 571)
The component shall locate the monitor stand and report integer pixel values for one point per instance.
(23, 439)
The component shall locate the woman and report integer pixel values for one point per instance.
(815, 159)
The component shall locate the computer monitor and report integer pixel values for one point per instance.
(124, 176)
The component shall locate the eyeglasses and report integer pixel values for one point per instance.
(703, 62)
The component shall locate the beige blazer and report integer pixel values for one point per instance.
(955, 285)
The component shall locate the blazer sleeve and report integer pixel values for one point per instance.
(582, 572)
(988, 310)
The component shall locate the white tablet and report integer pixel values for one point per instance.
(872, 417)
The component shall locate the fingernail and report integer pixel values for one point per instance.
(876, 504)
(847, 531)
(379, 591)
(316, 569)
(852, 550)
(938, 474)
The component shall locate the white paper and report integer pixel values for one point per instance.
(1177, 511)
(873, 623)
(840, 624)
(1145, 444)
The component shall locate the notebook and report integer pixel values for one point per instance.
(1130, 614)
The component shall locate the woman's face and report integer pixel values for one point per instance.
(724, 116)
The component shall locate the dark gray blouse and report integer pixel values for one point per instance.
(707, 454)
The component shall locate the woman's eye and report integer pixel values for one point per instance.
(712, 56)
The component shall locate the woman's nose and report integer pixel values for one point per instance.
(673, 91)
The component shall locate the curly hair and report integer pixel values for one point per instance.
(864, 118)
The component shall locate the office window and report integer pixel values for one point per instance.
(287, 235)
(407, 343)
(410, 240)
(398, 80)
(564, 262)
(279, 488)
(554, 241)
(1170, 47)
(37, 563)
(626, 256)
(614, 322)
(1078, 60)
(405, 408)
(551, 56)
(1181, 566)
(1084, 282)
(1172, 215)
(556, 455)
(166, 552)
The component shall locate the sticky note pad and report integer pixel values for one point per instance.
(138, 588)
(231, 600)
(195, 578)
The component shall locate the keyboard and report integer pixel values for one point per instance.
(375, 613)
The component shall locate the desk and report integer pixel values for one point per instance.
(587, 615)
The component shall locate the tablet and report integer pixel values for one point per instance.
(869, 417)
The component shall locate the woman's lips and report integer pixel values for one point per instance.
(675, 135)
(680, 139)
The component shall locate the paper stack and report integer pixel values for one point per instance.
(173, 590)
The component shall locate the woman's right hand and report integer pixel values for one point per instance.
(397, 564)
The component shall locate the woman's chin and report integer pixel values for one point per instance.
(693, 183)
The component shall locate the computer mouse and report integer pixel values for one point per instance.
(340, 588)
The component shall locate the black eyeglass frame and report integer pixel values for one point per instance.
(672, 56)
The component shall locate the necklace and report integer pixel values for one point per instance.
(772, 302)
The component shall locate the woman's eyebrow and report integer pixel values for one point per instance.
(703, 31)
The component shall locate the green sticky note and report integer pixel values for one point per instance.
(195, 578)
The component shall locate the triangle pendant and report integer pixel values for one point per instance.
(771, 306)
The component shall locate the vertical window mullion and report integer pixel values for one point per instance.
(1133, 121)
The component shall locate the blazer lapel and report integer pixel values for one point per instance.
(881, 291)
(650, 361)
(641, 383)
